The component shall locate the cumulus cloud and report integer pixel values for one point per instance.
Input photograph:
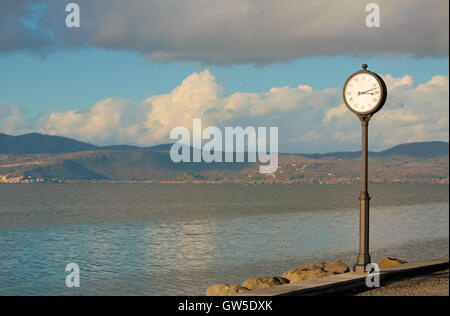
(229, 31)
(12, 120)
(415, 113)
(198, 96)
(411, 113)
(308, 120)
(101, 123)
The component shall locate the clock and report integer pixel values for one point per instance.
(364, 92)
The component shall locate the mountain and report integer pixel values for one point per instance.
(35, 143)
(42, 158)
(120, 147)
(157, 167)
(416, 150)
(420, 150)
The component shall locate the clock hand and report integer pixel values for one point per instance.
(364, 92)
(361, 93)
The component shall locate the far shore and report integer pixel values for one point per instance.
(437, 182)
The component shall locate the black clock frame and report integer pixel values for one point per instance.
(383, 93)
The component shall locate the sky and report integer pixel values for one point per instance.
(136, 69)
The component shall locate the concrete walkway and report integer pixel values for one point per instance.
(351, 282)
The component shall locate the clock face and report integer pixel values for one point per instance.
(363, 93)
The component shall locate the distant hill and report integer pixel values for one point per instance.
(43, 158)
(416, 150)
(163, 147)
(36, 143)
(420, 150)
(121, 147)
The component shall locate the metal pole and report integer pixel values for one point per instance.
(364, 198)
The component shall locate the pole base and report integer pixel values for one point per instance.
(363, 261)
(359, 268)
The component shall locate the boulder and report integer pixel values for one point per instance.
(316, 270)
(262, 283)
(390, 262)
(225, 290)
(306, 272)
(337, 267)
(298, 275)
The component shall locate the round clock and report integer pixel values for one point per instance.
(364, 92)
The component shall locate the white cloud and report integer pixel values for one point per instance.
(198, 96)
(308, 120)
(11, 119)
(309, 137)
(350, 138)
(336, 112)
(100, 123)
(415, 114)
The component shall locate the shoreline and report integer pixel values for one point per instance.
(228, 183)
(352, 283)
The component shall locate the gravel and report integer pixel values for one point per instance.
(435, 284)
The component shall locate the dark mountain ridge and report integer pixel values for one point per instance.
(35, 143)
(418, 150)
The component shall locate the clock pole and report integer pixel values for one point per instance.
(364, 198)
(356, 86)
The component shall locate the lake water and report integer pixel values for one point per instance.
(139, 239)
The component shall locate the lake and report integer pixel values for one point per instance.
(152, 239)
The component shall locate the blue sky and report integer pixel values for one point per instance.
(77, 79)
(131, 73)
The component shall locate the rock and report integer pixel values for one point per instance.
(316, 270)
(262, 283)
(390, 262)
(306, 272)
(225, 290)
(337, 267)
(297, 275)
